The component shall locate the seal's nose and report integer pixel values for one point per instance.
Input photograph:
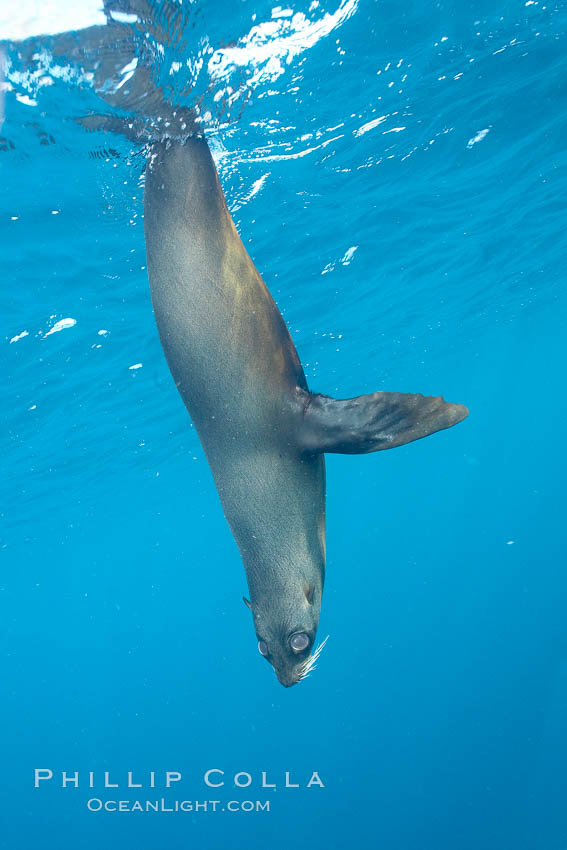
(287, 679)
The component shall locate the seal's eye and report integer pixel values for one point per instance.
(262, 648)
(299, 642)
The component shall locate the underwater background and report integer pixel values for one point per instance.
(398, 173)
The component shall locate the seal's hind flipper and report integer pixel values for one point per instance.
(370, 423)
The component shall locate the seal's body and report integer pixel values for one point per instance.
(238, 372)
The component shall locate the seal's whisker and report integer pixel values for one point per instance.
(319, 650)
(310, 663)
(306, 666)
(305, 674)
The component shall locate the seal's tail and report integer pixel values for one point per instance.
(123, 60)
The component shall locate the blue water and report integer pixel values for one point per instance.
(399, 175)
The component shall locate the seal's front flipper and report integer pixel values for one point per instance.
(373, 422)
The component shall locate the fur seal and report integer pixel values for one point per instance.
(230, 353)
(264, 433)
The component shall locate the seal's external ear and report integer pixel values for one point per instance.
(370, 423)
(309, 592)
(247, 602)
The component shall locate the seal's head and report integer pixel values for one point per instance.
(286, 632)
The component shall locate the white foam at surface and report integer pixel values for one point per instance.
(20, 19)
(61, 325)
(349, 255)
(270, 45)
(26, 100)
(123, 17)
(369, 126)
(478, 138)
